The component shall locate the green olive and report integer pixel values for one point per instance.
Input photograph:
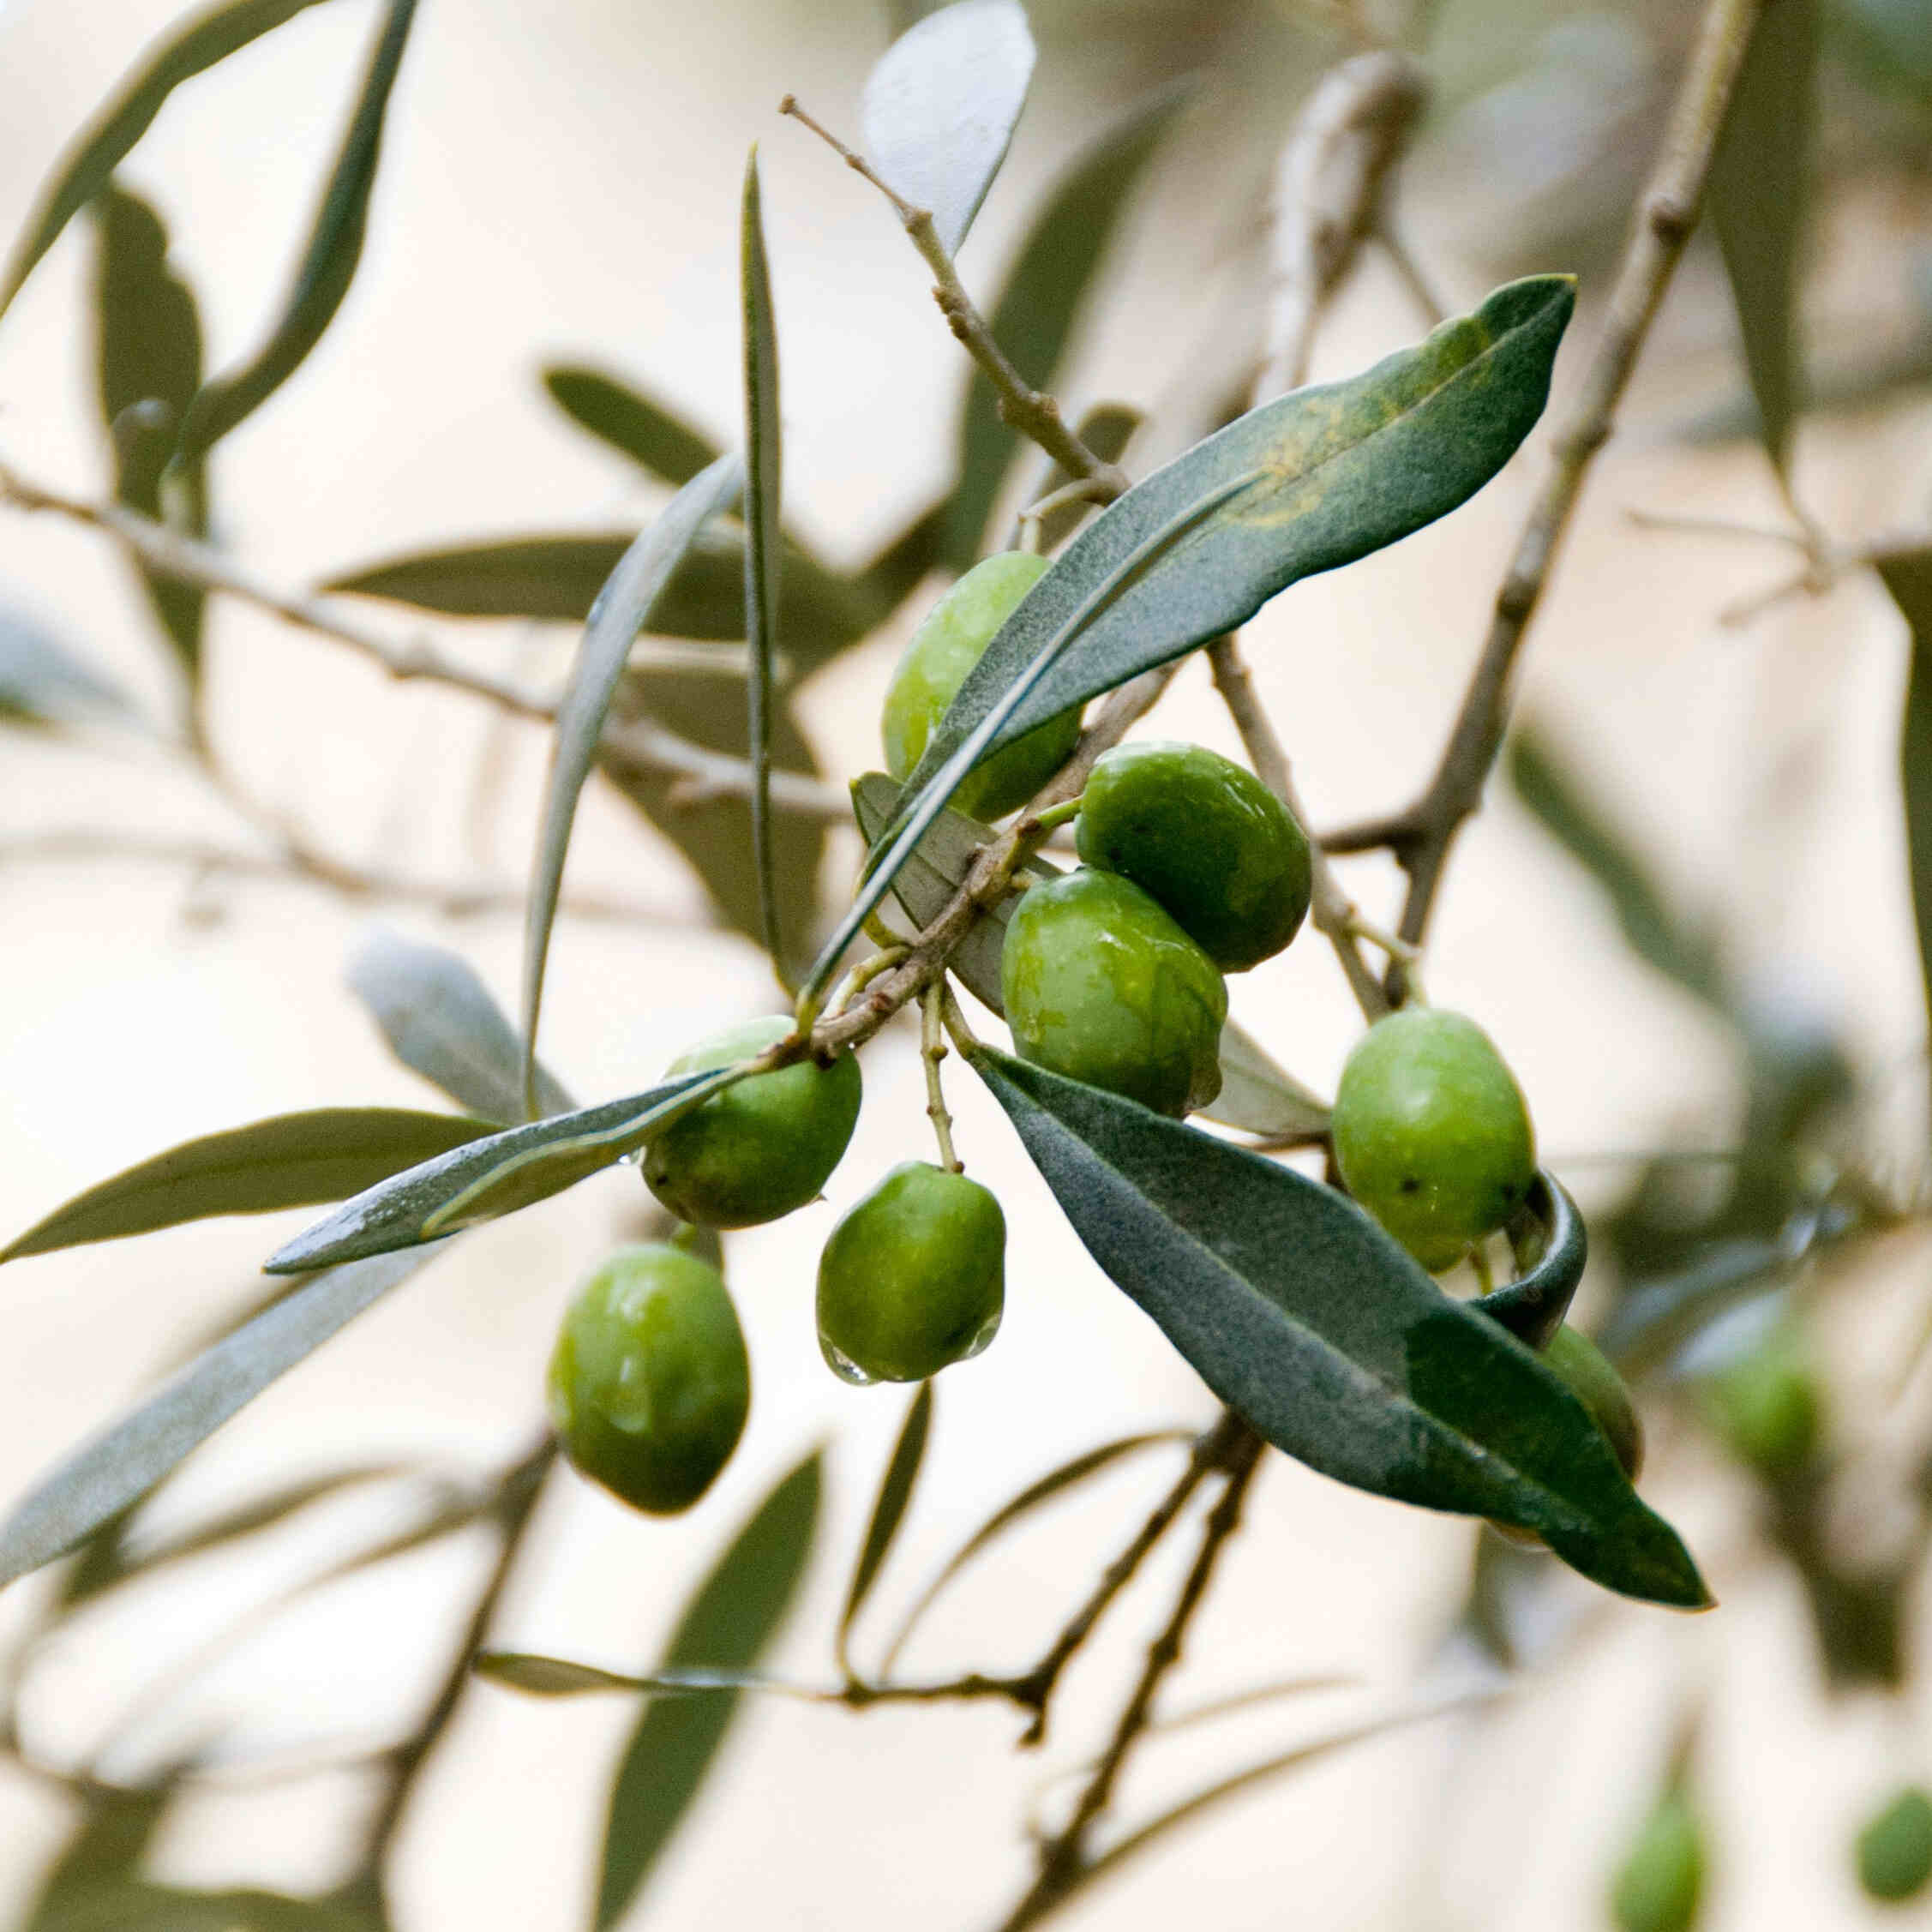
(1895, 1848)
(1431, 1134)
(1767, 1407)
(913, 1278)
(761, 1148)
(1100, 985)
(944, 648)
(649, 1382)
(1219, 852)
(1601, 1389)
(1661, 1881)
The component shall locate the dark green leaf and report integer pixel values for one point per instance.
(1533, 1306)
(940, 108)
(650, 432)
(328, 264)
(1107, 430)
(1313, 480)
(727, 1625)
(888, 1511)
(623, 608)
(1908, 577)
(441, 1021)
(491, 1177)
(105, 141)
(1311, 1322)
(764, 455)
(42, 682)
(105, 1475)
(292, 1160)
(558, 1677)
(1759, 192)
(1033, 320)
(1580, 826)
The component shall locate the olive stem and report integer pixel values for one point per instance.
(932, 1050)
(1082, 489)
(864, 973)
(1055, 816)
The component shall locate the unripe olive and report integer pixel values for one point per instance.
(1766, 1406)
(1100, 985)
(649, 1381)
(1431, 1134)
(944, 648)
(760, 1148)
(1600, 1388)
(1207, 839)
(1661, 1880)
(1895, 1848)
(913, 1278)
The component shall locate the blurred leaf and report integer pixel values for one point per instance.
(764, 458)
(1035, 1496)
(492, 1176)
(133, 1905)
(42, 682)
(1887, 41)
(623, 608)
(902, 566)
(116, 1829)
(888, 1511)
(441, 1021)
(1258, 1097)
(940, 107)
(1908, 576)
(1654, 1319)
(106, 141)
(147, 367)
(291, 1160)
(649, 432)
(1313, 1325)
(328, 264)
(1107, 430)
(1311, 480)
(1533, 1306)
(105, 1474)
(1034, 316)
(558, 1677)
(1759, 193)
(1551, 792)
(1850, 383)
(727, 1625)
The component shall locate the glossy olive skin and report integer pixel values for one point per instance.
(1661, 1881)
(1432, 1133)
(1207, 839)
(944, 648)
(1767, 1407)
(1601, 1390)
(913, 1278)
(761, 1148)
(1100, 985)
(649, 1381)
(1894, 1851)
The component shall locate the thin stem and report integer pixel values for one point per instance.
(932, 1050)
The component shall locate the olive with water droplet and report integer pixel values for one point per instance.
(649, 1382)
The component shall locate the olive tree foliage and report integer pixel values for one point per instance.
(1319, 1336)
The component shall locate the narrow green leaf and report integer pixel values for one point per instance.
(442, 1021)
(650, 432)
(1055, 1483)
(1309, 1322)
(622, 609)
(1107, 429)
(1533, 1306)
(1033, 319)
(43, 682)
(727, 1625)
(1579, 824)
(105, 1475)
(107, 139)
(1908, 577)
(328, 263)
(292, 1160)
(1759, 194)
(940, 107)
(888, 1511)
(558, 1677)
(492, 1177)
(1305, 484)
(763, 487)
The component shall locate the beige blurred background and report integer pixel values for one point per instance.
(563, 180)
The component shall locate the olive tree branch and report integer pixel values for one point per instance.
(1037, 416)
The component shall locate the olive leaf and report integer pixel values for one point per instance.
(1313, 1325)
(328, 263)
(1533, 1306)
(1313, 480)
(940, 107)
(494, 1176)
(764, 453)
(623, 608)
(43, 682)
(888, 1512)
(650, 432)
(1907, 575)
(727, 1626)
(292, 1160)
(536, 1675)
(107, 139)
(105, 1475)
(1759, 193)
(442, 1021)
(1039, 303)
